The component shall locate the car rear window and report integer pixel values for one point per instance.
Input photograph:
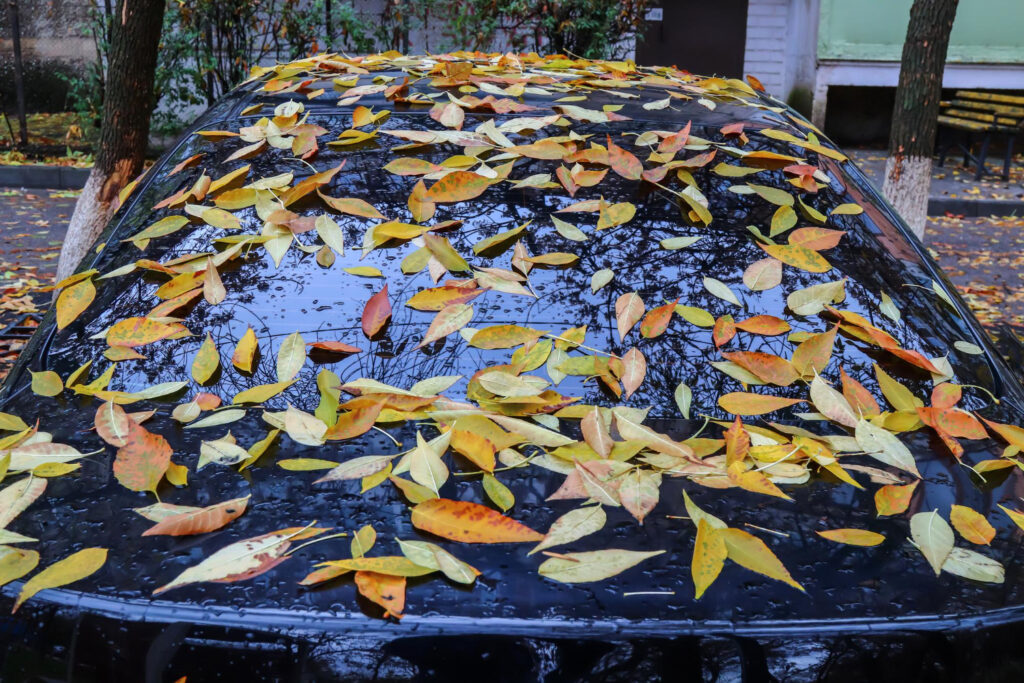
(325, 304)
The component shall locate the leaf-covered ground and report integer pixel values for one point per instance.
(32, 223)
(59, 139)
(955, 181)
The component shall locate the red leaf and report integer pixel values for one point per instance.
(334, 347)
(624, 163)
(377, 313)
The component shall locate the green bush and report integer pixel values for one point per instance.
(208, 46)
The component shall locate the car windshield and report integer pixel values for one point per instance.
(644, 255)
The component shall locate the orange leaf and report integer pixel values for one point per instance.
(813, 354)
(624, 163)
(1013, 434)
(200, 521)
(439, 297)
(816, 238)
(141, 462)
(458, 186)
(113, 424)
(737, 442)
(354, 423)
(971, 524)
(859, 398)
(377, 313)
(352, 206)
(744, 403)
(384, 590)
(723, 331)
(768, 325)
(475, 447)
(754, 481)
(459, 520)
(334, 347)
(629, 308)
(421, 208)
(657, 320)
(504, 336)
(635, 370)
(946, 395)
(894, 499)
(767, 367)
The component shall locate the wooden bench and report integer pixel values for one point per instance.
(980, 115)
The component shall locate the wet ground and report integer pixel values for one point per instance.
(32, 224)
(954, 181)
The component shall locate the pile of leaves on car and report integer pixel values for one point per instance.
(509, 416)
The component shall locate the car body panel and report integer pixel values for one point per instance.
(849, 589)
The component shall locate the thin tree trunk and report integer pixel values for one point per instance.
(127, 106)
(915, 116)
(19, 71)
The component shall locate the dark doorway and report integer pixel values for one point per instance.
(702, 36)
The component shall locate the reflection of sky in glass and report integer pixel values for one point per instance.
(325, 305)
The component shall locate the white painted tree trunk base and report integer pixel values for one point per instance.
(907, 182)
(90, 216)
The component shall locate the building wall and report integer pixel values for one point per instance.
(780, 49)
(985, 31)
(55, 42)
(766, 47)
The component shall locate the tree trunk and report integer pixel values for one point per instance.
(19, 72)
(914, 118)
(127, 105)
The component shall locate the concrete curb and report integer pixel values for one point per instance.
(972, 208)
(48, 177)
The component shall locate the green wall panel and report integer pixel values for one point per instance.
(984, 30)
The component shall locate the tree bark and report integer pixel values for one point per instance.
(127, 106)
(915, 116)
(19, 72)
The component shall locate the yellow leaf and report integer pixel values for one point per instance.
(751, 552)
(72, 568)
(206, 361)
(861, 537)
(709, 553)
(47, 383)
(261, 392)
(73, 301)
(364, 271)
(245, 351)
